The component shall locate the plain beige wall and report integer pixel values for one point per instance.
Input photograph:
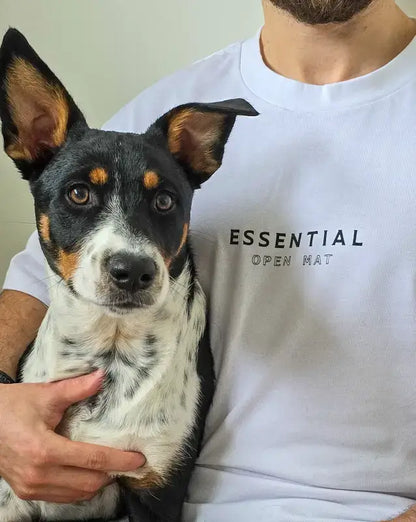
(106, 52)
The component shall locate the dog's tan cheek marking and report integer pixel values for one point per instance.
(150, 480)
(168, 260)
(67, 264)
(184, 238)
(98, 176)
(150, 180)
(44, 228)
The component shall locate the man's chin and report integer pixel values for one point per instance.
(320, 12)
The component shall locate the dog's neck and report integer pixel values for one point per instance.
(78, 337)
(149, 357)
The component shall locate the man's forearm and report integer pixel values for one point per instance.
(20, 318)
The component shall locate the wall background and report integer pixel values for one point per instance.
(107, 51)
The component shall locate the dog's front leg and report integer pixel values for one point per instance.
(14, 509)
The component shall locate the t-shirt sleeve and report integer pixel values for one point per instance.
(27, 271)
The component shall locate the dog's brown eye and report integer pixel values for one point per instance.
(79, 194)
(164, 202)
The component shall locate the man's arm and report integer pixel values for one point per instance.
(21, 315)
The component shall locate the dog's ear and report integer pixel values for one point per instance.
(36, 111)
(196, 134)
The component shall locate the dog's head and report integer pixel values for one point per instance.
(112, 209)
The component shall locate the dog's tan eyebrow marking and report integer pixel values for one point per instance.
(67, 263)
(98, 176)
(44, 228)
(150, 180)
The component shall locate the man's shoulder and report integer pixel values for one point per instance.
(205, 80)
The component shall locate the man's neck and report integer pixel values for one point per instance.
(331, 53)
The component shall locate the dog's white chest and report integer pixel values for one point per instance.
(149, 397)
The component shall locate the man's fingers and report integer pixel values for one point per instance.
(66, 392)
(59, 495)
(63, 485)
(91, 456)
(82, 480)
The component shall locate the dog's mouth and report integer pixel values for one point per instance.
(111, 297)
(124, 309)
(127, 305)
(118, 306)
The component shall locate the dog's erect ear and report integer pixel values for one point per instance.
(36, 111)
(196, 134)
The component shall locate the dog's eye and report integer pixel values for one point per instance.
(79, 194)
(163, 202)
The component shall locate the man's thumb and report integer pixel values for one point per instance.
(67, 392)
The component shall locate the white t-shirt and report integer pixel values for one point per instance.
(306, 244)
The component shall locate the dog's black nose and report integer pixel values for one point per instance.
(130, 272)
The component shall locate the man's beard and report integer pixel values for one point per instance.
(322, 11)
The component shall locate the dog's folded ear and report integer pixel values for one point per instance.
(196, 134)
(36, 111)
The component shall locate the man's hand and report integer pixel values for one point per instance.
(42, 465)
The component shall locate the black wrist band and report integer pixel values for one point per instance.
(6, 379)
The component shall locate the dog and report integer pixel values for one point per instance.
(112, 212)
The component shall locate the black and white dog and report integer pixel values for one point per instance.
(112, 213)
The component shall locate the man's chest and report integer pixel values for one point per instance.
(313, 198)
(307, 251)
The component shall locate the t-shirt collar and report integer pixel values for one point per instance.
(294, 95)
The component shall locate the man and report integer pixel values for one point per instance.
(304, 244)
